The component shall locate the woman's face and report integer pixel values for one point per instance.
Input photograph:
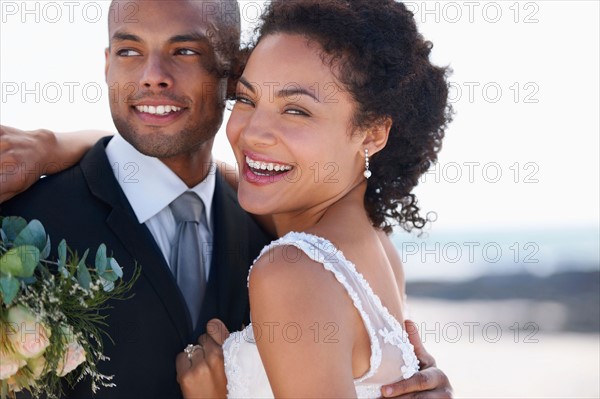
(291, 130)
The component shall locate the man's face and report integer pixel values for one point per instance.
(166, 97)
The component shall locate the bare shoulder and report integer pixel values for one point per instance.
(390, 250)
(288, 269)
(394, 259)
(303, 325)
(285, 279)
(281, 264)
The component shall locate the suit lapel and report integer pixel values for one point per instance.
(136, 237)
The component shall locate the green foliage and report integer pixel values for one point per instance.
(20, 261)
(66, 295)
(9, 287)
(33, 234)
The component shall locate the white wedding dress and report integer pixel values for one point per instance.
(392, 355)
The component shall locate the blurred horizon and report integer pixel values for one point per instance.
(464, 254)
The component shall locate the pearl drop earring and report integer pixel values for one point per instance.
(367, 172)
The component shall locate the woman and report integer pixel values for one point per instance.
(338, 113)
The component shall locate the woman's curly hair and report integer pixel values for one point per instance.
(376, 52)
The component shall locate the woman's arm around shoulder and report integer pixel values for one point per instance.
(295, 304)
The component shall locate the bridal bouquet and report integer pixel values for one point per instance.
(50, 325)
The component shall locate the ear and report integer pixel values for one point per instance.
(106, 63)
(377, 135)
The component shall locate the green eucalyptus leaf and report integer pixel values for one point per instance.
(113, 272)
(83, 274)
(3, 236)
(9, 288)
(109, 275)
(29, 280)
(20, 261)
(12, 226)
(84, 257)
(114, 265)
(32, 234)
(62, 254)
(101, 260)
(46, 251)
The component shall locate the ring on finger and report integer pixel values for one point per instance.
(190, 349)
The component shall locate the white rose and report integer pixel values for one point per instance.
(29, 336)
(9, 365)
(74, 355)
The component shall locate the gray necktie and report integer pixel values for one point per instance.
(187, 262)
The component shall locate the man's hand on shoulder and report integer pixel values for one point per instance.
(428, 383)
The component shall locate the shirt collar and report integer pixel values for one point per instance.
(149, 184)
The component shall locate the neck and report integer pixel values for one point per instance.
(192, 168)
(347, 203)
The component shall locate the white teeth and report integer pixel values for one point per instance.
(157, 110)
(257, 165)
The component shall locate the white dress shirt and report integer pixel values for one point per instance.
(150, 186)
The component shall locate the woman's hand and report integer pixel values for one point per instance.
(201, 373)
(25, 156)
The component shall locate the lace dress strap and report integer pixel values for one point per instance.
(382, 327)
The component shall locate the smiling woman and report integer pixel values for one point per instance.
(368, 97)
(333, 264)
(291, 127)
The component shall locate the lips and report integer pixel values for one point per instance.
(158, 109)
(158, 113)
(261, 168)
(260, 171)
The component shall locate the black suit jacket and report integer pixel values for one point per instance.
(86, 206)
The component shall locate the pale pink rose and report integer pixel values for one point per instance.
(74, 355)
(27, 334)
(9, 365)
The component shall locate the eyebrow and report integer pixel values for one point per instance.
(188, 37)
(281, 93)
(122, 36)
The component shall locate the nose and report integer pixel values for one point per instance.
(156, 74)
(259, 130)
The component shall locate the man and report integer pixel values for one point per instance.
(167, 68)
(168, 86)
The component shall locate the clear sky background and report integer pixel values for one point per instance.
(522, 152)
